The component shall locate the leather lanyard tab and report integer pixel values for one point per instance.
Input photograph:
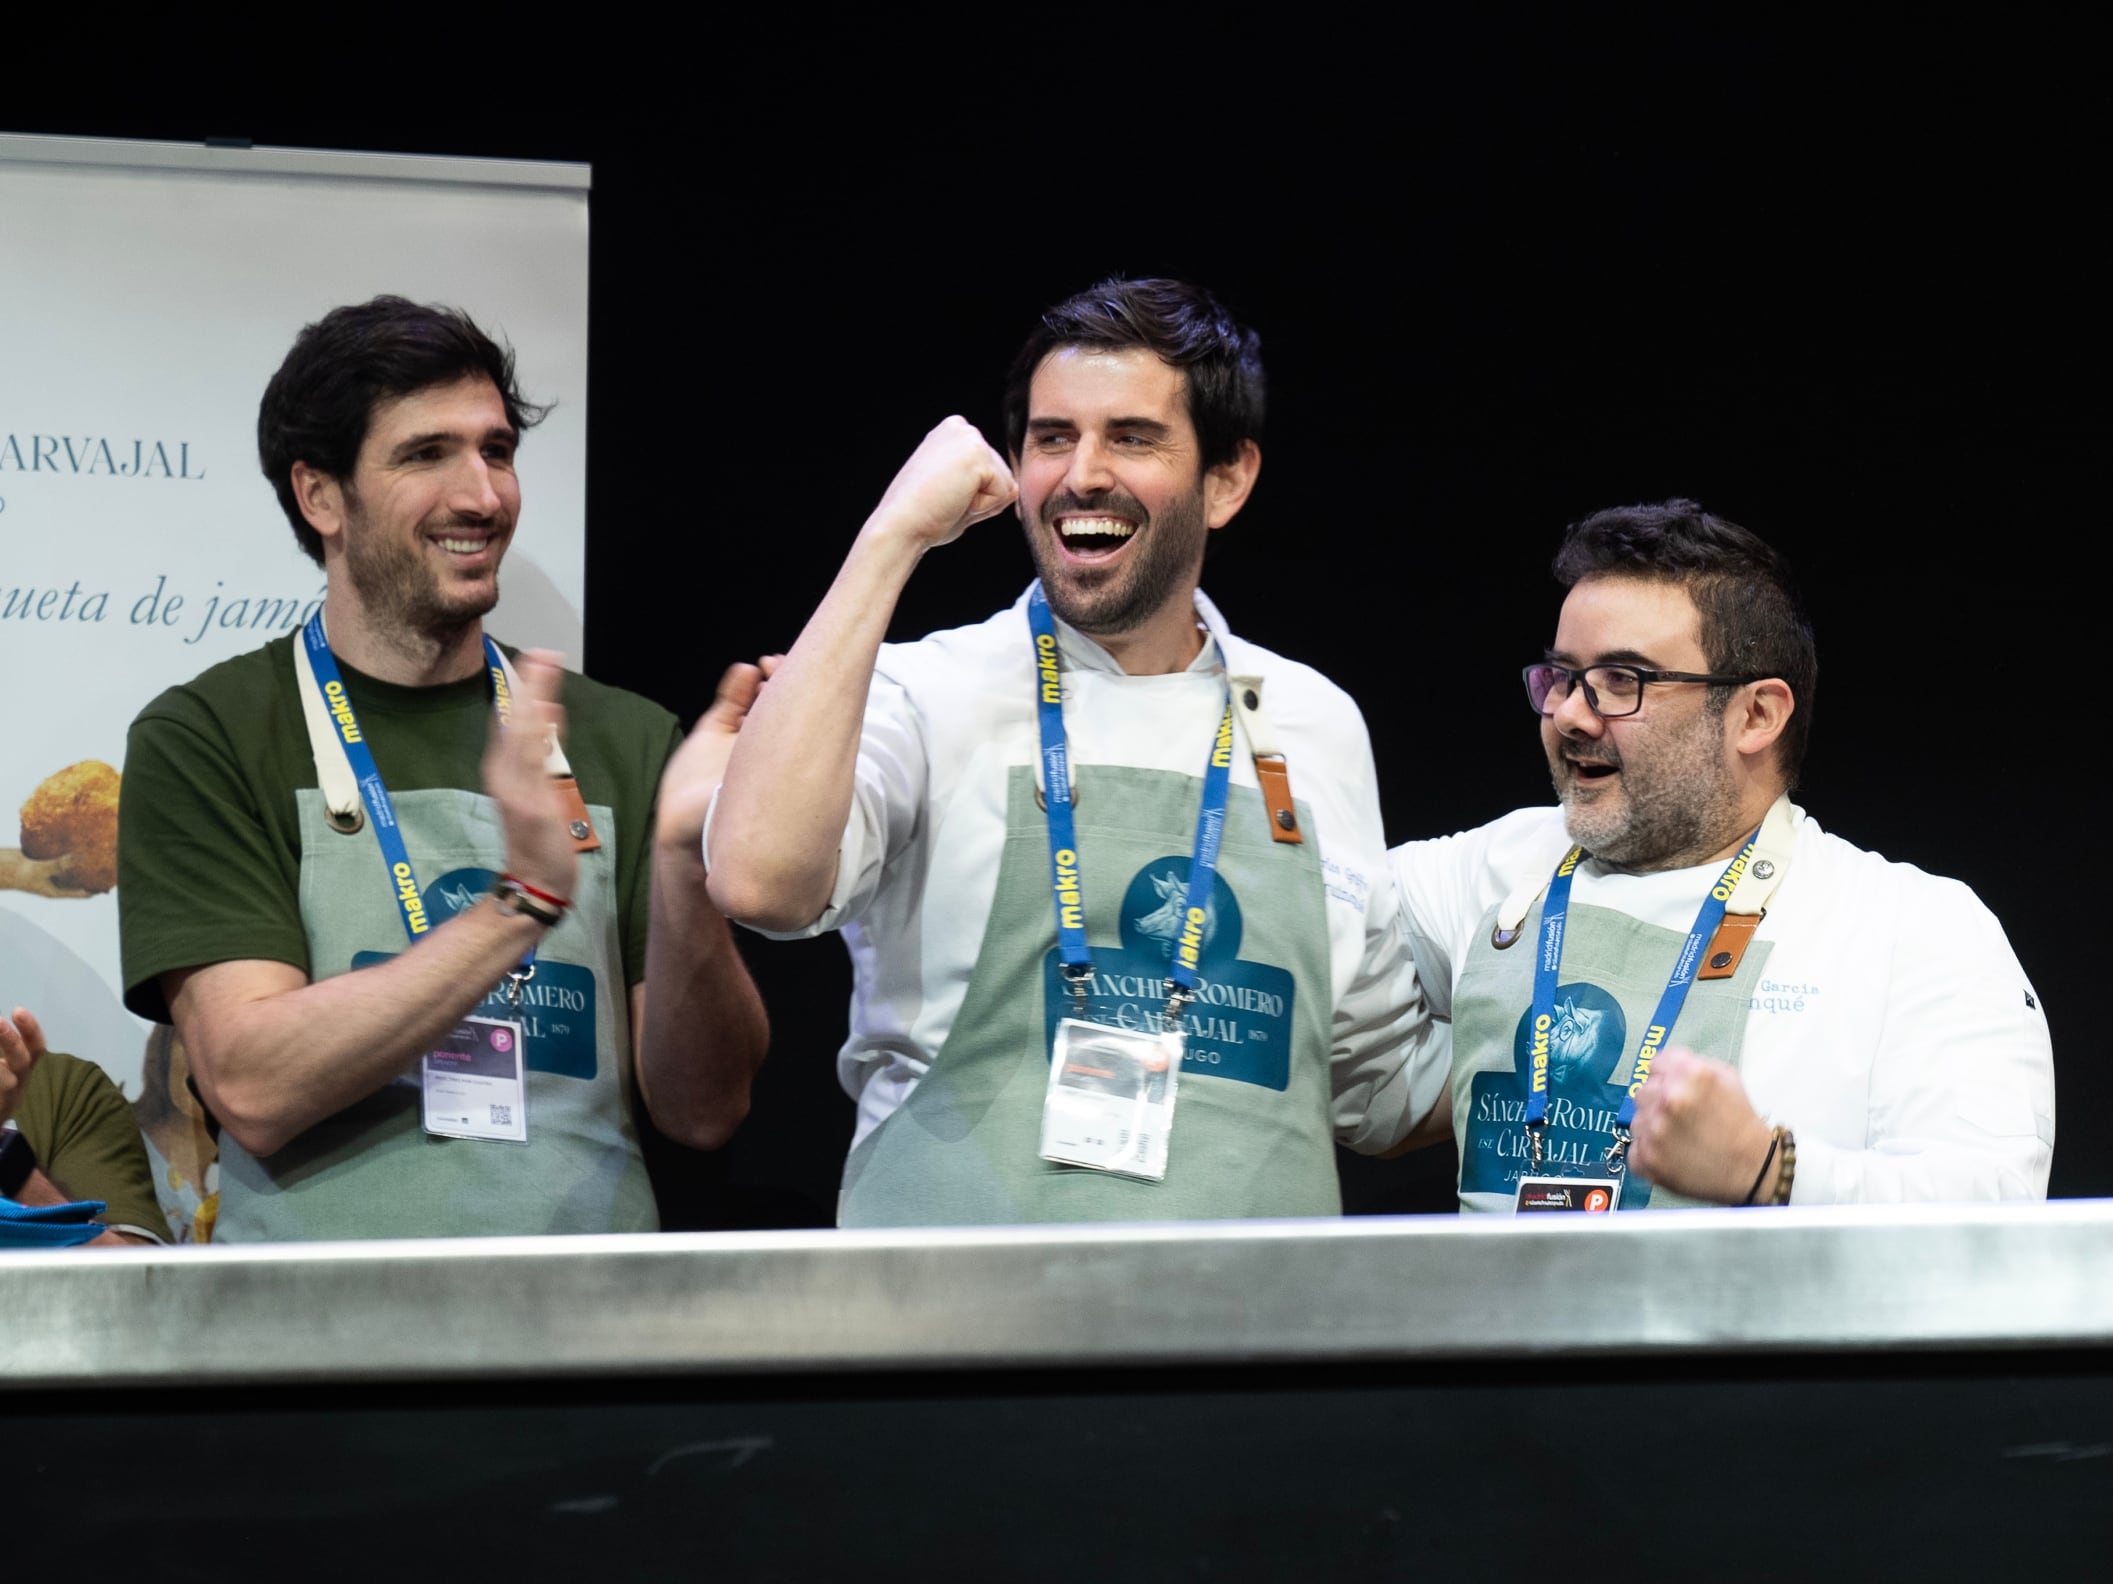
(1274, 775)
(1728, 946)
(1272, 767)
(578, 824)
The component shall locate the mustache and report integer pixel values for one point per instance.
(1104, 503)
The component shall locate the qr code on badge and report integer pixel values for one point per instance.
(502, 1116)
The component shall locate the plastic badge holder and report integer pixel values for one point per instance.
(1110, 1104)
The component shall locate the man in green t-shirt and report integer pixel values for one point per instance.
(394, 892)
(82, 1141)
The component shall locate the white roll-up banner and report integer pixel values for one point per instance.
(152, 290)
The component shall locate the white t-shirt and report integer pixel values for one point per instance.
(1892, 1028)
(949, 715)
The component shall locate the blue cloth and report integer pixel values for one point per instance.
(49, 1226)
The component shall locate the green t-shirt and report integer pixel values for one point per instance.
(209, 835)
(77, 1121)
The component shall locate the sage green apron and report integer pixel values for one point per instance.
(372, 1170)
(1613, 972)
(965, 1147)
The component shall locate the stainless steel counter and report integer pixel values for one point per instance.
(1695, 1283)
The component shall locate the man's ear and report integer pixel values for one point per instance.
(1227, 486)
(1769, 706)
(321, 499)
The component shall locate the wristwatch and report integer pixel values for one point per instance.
(17, 1161)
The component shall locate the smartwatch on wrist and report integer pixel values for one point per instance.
(17, 1161)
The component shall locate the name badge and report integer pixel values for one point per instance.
(1591, 1195)
(473, 1086)
(1110, 1103)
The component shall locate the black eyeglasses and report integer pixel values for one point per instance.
(1611, 690)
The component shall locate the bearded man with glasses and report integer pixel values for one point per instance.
(1675, 988)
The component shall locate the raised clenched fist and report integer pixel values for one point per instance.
(953, 480)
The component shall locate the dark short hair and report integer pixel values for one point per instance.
(1185, 327)
(317, 407)
(1753, 620)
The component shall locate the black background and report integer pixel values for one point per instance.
(1847, 291)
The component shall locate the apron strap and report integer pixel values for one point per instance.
(1272, 768)
(333, 767)
(1749, 898)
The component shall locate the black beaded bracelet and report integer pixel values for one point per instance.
(1775, 1139)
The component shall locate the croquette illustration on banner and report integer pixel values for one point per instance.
(1239, 1026)
(69, 835)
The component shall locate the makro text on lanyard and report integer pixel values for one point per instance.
(396, 858)
(1549, 964)
(1072, 950)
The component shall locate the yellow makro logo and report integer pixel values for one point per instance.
(1539, 1051)
(341, 711)
(1724, 888)
(407, 891)
(1222, 749)
(1045, 662)
(1190, 947)
(1651, 1042)
(1569, 864)
(502, 700)
(1071, 907)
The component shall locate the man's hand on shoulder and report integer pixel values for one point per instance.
(699, 765)
(1695, 1131)
(953, 480)
(539, 850)
(21, 1043)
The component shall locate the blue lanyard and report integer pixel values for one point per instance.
(396, 858)
(1072, 949)
(1548, 967)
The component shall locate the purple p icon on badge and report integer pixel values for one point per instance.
(502, 1040)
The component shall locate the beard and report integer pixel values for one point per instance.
(398, 586)
(1164, 555)
(1674, 803)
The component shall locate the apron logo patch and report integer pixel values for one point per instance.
(1578, 1037)
(458, 891)
(1585, 1046)
(1239, 1026)
(1155, 914)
